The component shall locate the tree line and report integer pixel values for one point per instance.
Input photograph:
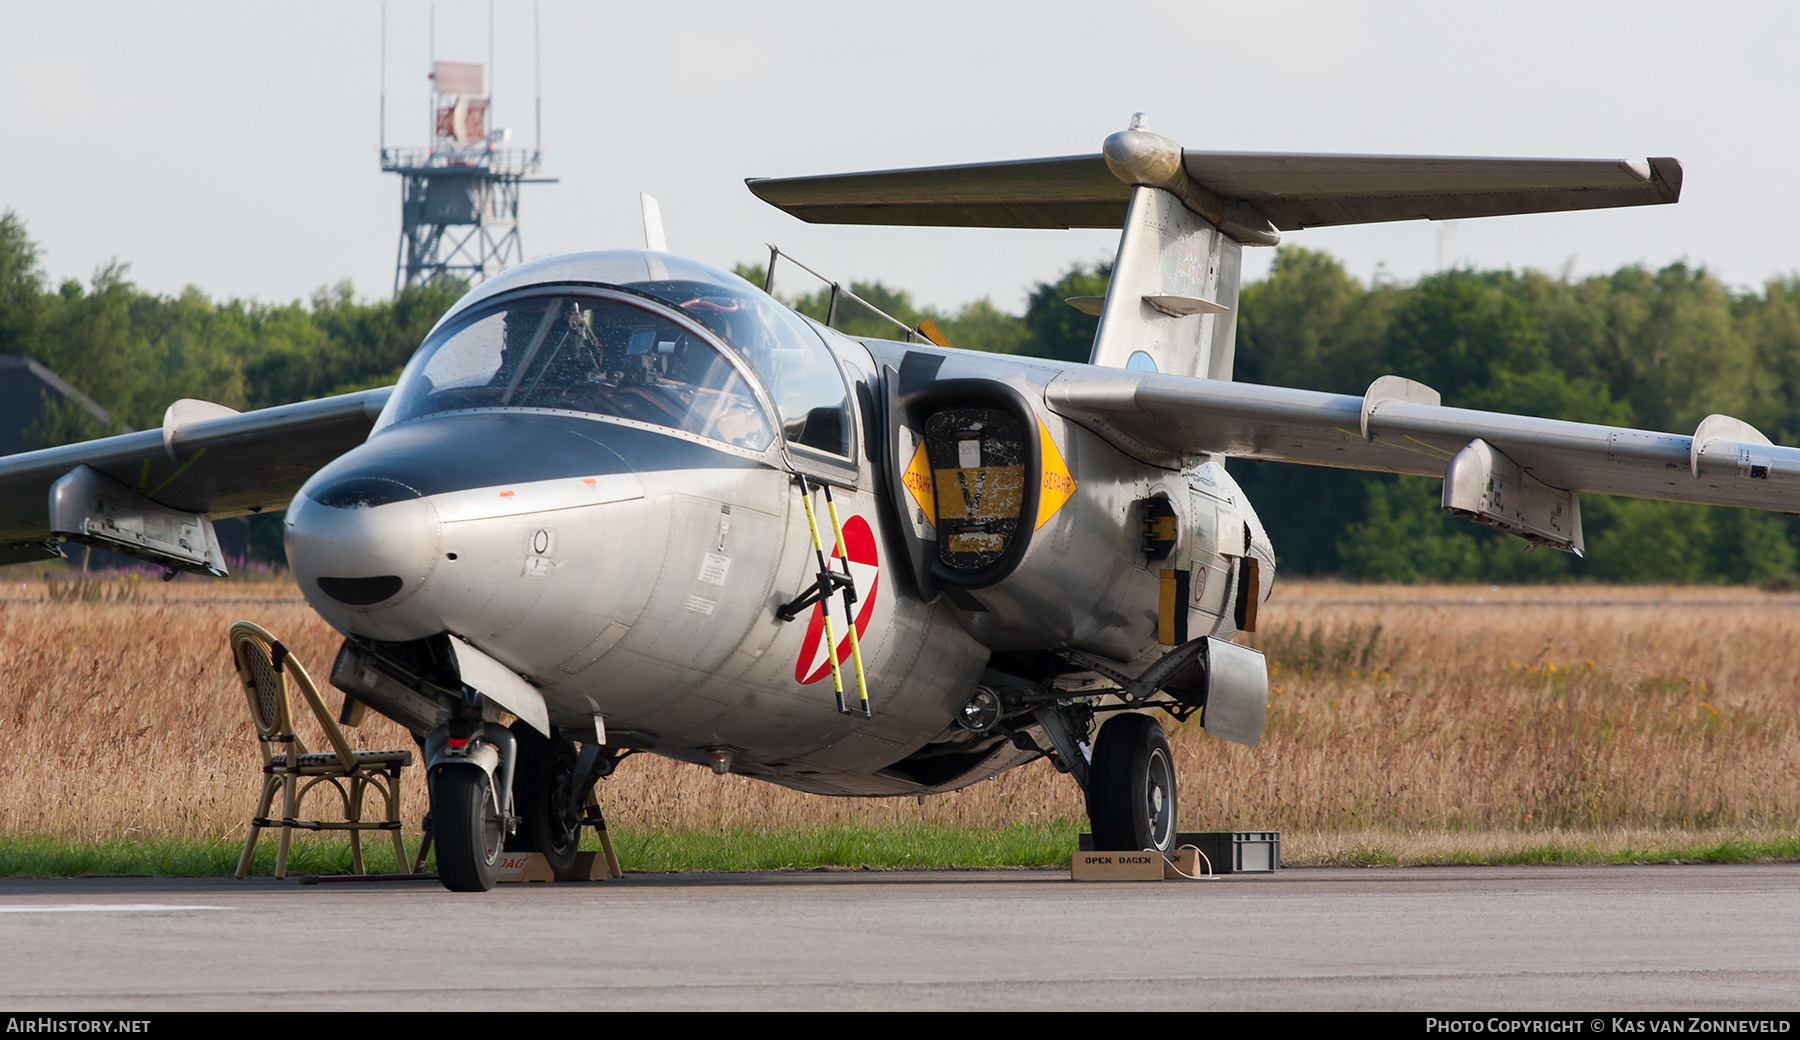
(1655, 349)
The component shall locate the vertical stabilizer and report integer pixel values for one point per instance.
(1172, 305)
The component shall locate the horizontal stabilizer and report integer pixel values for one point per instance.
(1292, 190)
(1075, 191)
(1182, 306)
(1302, 191)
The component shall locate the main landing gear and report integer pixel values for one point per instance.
(1128, 775)
(1131, 786)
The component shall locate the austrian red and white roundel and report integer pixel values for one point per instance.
(865, 567)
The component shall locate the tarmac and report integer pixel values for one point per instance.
(1603, 938)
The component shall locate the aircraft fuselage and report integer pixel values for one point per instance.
(631, 568)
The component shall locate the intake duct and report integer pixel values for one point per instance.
(965, 471)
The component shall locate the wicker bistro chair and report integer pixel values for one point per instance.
(264, 665)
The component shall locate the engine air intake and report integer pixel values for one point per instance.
(978, 458)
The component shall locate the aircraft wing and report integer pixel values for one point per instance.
(1398, 427)
(206, 459)
(1292, 190)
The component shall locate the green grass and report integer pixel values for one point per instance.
(849, 847)
(846, 847)
(177, 857)
(843, 847)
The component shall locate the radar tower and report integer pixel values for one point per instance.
(459, 195)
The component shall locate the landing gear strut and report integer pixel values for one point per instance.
(1131, 786)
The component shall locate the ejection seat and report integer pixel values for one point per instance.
(263, 664)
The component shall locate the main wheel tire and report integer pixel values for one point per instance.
(1131, 786)
(467, 828)
(544, 766)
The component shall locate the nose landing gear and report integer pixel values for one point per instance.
(467, 772)
(468, 829)
(549, 784)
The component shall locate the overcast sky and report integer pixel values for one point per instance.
(233, 146)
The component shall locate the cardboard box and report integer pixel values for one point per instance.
(1116, 866)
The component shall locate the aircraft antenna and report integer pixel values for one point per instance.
(459, 195)
(383, 133)
(431, 49)
(838, 290)
(537, 81)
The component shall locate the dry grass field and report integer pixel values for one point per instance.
(1406, 723)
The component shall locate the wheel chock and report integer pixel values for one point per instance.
(524, 866)
(1221, 852)
(1186, 863)
(532, 866)
(1116, 866)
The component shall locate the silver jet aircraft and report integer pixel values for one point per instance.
(635, 503)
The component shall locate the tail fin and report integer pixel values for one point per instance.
(1172, 304)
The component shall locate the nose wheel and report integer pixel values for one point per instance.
(1131, 786)
(467, 828)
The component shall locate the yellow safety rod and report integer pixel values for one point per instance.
(843, 548)
(812, 524)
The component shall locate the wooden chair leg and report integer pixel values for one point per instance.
(392, 793)
(262, 813)
(290, 811)
(353, 816)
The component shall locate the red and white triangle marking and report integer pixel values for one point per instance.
(865, 567)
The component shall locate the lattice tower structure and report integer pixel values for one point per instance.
(459, 215)
(459, 198)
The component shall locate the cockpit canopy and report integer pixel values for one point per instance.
(803, 380)
(613, 350)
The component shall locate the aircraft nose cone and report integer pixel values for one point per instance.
(361, 547)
